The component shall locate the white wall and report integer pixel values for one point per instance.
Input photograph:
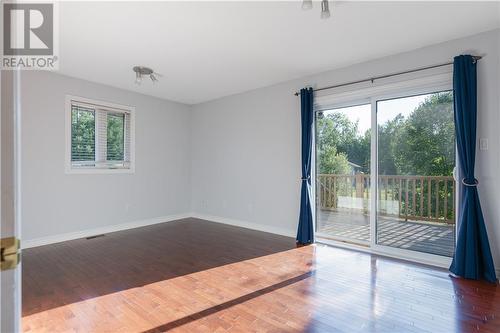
(56, 203)
(246, 148)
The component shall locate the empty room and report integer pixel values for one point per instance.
(250, 166)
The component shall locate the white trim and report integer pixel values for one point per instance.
(341, 239)
(431, 260)
(101, 230)
(415, 256)
(344, 245)
(96, 104)
(18, 286)
(355, 96)
(245, 224)
(373, 172)
(99, 171)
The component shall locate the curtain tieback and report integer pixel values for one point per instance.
(305, 178)
(475, 182)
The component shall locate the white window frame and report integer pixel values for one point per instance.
(113, 107)
(416, 85)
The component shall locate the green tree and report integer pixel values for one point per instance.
(82, 135)
(421, 144)
(426, 145)
(389, 144)
(115, 136)
(336, 130)
(331, 162)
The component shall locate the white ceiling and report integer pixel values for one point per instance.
(207, 50)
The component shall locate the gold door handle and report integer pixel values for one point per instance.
(9, 253)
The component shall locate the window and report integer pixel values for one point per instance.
(99, 136)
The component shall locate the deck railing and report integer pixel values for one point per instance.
(416, 198)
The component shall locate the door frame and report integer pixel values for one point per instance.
(417, 84)
(11, 225)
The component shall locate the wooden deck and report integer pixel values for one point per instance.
(434, 238)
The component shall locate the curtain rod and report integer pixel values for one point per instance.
(476, 58)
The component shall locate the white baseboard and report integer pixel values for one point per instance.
(25, 244)
(244, 224)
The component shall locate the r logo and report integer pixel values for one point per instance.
(28, 29)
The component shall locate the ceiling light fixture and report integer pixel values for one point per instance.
(141, 71)
(325, 11)
(307, 4)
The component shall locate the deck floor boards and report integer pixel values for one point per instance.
(425, 237)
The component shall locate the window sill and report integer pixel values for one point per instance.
(97, 171)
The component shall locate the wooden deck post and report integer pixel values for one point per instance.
(360, 186)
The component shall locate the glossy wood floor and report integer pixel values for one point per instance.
(196, 276)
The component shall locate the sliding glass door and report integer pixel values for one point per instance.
(416, 158)
(384, 171)
(343, 137)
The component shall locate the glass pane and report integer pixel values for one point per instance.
(416, 157)
(115, 135)
(343, 167)
(82, 134)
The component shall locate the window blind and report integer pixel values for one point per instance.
(82, 135)
(100, 137)
(126, 147)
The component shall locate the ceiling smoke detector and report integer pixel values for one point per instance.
(141, 71)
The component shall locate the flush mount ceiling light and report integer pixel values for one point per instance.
(325, 10)
(141, 71)
(307, 4)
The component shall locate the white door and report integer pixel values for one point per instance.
(10, 274)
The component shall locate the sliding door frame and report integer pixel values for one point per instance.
(431, 83)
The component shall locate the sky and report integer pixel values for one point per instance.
(386, 110)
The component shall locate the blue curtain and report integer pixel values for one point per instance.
(472, 259)
(305, 233)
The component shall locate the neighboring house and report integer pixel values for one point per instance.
(355, 168)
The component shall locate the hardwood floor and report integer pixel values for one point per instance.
(196, 276)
